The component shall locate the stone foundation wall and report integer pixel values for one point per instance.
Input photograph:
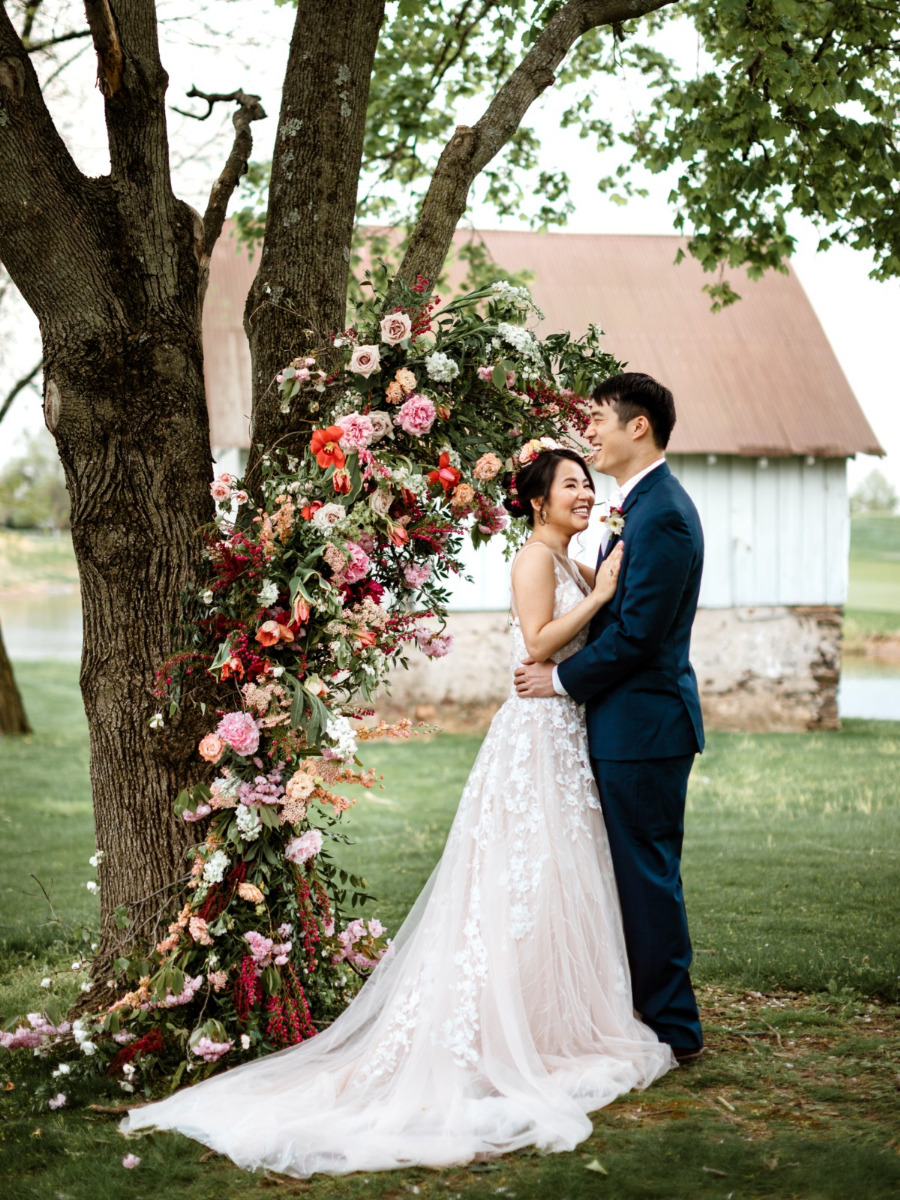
(759, 669)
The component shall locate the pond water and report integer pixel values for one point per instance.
(49, 626)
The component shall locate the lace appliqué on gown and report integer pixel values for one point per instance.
(503, 1015)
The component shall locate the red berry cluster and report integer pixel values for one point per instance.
(151, 1043)
(247, 989)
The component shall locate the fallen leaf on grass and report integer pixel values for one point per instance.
(722, 1100)
(37, 1133)
(594, 1165)
(713, 1171)
(9, 1086)
(207, 1155)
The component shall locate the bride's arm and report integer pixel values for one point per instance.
(534, 587)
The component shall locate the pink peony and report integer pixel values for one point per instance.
(240, 731)
(260, 948)
(395, 328)
(415, 575)
(306, 846)
(486, 374)
(358, 432)
(365, 360)
(358, 566)
(211, 748)
(58, 1100)
(220, 491)
(211, 1051)
(416, 415)
(201, 811)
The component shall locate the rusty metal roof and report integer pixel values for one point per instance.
(757, 379)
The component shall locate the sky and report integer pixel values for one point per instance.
(860, 317)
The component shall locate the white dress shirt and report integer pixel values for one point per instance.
(616, 500)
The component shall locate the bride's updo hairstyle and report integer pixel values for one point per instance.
(534, 480)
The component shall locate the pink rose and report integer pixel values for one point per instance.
(241, 498)
(306, 846)
(211, 748)
(239, 730)
(395, 328)
(220, 490)
(365, 360)
(358, 432)
(416, 415)
(486, 373)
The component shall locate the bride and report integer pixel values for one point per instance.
(503, 1014)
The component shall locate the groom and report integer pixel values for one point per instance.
(643, 709)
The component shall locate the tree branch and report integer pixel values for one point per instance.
(33, 47)
(110, 58)
(17, 387)
(471, 148)
(249, 110)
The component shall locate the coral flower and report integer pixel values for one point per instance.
(325, 447)
(446, 475)
(211, 748)
(341, 481)
(271, 632)
(234, 666)
(397, 534)
(299, 610)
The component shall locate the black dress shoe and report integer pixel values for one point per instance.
(685, 1057)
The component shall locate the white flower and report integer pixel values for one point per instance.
(520, 339)
(128, 1070)
(328, 516)
(156, 721)
(76, 965)
(92, 887)
(215, 866)
(441, 367)
(46, 981)
(268, 593)
(86, 986)
(248, 822)
(58, 1100)
(365, 360)
(245, 1041)
(88, 1048)
(96, 859)
(126, 1086)
(411, 481)
(278, 672)
(62, 1069)
(207, 596)
(380, 501)
(341, 732)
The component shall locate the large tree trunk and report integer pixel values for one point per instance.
(129, 415)
(299, 295)
(13, 718)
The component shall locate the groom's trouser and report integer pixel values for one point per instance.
(643, 807)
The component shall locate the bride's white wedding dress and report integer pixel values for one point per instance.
(504, 1014)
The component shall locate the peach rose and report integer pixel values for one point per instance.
(487, 466)
(406, 379)
(249, 891)
(394, 393)
(211, 748)
(463, 495)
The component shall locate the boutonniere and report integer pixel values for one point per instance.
(614, 521)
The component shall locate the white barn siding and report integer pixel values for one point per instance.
(775, 535)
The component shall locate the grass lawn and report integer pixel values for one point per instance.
(873, 597)
(792, 870)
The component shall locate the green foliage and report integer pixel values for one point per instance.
(797, 113)
(794, 110)
(33, 487)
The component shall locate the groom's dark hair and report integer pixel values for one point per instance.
(636, 395)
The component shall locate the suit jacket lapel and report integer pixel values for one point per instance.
(660, 472)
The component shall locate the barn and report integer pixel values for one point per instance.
(766, 424)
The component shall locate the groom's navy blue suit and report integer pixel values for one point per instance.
(645, 726)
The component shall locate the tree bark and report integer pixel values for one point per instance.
(114, 269)
(13, 718)
(299, 294)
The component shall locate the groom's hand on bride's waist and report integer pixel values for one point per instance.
(534, 680)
